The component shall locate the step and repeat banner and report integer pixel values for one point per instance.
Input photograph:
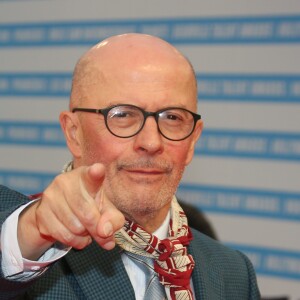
(246, 172)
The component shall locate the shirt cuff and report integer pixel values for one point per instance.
(13, 264)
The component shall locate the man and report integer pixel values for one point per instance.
(133, 121)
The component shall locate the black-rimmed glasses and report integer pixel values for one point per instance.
(125, 120)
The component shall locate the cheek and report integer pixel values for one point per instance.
(102, 148)
(94, 141)
(179, 153)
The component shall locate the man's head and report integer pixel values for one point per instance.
(144, 170)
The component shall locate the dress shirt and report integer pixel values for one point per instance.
(135, 273)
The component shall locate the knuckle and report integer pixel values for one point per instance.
(88, 217)
(75, 226)
(66, 237)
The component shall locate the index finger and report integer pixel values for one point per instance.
(91, 179)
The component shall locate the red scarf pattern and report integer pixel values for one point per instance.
(171, 260)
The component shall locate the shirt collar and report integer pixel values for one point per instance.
(162, 231)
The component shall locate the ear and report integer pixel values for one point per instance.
(71, 127)
(195, 136)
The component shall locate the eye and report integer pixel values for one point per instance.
(119, 114)
(123, 112)
(172, 116)
(124, 117)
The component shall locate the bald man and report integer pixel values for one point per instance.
(131, 128)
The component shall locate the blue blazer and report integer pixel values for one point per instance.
(93, 273)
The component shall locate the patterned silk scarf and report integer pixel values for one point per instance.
(171, 260)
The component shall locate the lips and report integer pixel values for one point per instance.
(144, 176)
(145, 167)
(145, 171)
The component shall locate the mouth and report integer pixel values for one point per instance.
(145, 175)
(145, 171)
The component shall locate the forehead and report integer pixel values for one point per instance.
(139, 70)
(151, 87)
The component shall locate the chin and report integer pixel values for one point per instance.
(147, 209)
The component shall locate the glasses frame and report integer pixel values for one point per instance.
(146, 114)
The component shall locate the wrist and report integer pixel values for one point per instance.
(31, 242)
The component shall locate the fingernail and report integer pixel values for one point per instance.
(108, 229)
(110, 245)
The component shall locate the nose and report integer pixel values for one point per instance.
(149, 139)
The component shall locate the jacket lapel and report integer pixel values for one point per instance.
(100, 274)
(207, 284)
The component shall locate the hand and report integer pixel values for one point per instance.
(73, 210)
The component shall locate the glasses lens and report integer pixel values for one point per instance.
(124, 121)
(176, 124)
